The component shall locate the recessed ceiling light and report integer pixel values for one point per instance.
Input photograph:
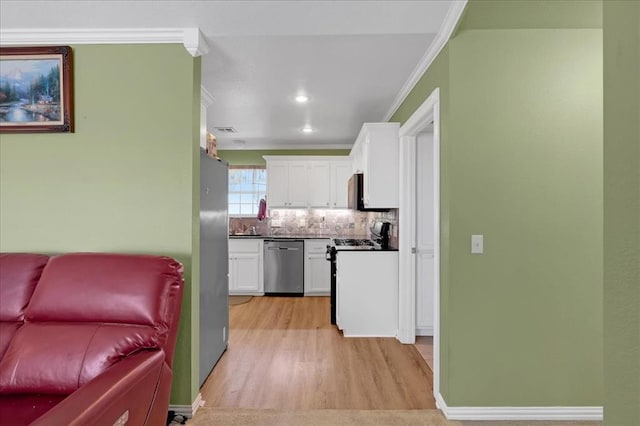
(307, 129)
(301, 99)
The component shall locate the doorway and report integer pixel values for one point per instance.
(424, 244)
(419, 248)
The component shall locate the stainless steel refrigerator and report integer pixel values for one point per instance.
(214, 262)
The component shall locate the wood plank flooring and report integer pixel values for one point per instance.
(284, 354)
(424, 345)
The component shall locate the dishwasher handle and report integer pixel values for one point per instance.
(283, 248)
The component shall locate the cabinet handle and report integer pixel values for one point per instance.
(328, 203)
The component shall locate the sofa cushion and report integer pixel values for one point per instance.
(55, 358)
(19, 274)
(98, 287)
(7, 330)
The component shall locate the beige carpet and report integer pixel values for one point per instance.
(253, 417)
(245, 417)
(239, 300)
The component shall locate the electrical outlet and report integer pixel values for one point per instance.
(302, 223)
(276, 223)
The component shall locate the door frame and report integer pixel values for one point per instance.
(427, 113)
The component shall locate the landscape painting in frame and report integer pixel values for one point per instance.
(36, 89)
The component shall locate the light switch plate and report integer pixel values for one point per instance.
(477, 244)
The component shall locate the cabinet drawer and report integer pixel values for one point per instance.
(316, 246)
(245, 246)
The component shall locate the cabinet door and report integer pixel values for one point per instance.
(381, 165)
(247, 272)
(319, 274)
(298, 184)
(317, 270)
(319, 193)
(340, 174)
(278, 185)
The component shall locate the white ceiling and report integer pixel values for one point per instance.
(352, 58)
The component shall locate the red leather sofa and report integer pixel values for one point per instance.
(87, 338)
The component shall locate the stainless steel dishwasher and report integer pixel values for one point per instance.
(283, 267)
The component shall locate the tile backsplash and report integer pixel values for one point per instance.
(330, 222)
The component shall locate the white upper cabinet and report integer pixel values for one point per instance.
(287, 183)
(307, 181)
(319, 184)
(340, 174)
(376, 155)
(298, 184)
(278, 184)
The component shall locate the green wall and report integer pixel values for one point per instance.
(521, 163)
(123, 181)
(242, 157)
(526, 171)
(528, 14)
(621, 28)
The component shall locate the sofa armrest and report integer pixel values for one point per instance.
(121, 395)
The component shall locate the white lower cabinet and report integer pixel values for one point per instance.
(317, 269)
(246, 267)
(367, 293)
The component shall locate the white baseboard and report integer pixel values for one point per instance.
(406, 337)
(188, 410)
(424, 331)
(519, 413)
(356, 335)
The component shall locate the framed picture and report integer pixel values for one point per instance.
(36, 93)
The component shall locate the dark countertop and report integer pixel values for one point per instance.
(292, 237)
(366, 250)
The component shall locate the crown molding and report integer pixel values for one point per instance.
(194, 42)
(446, 29)
(229, 146)
(191, 38)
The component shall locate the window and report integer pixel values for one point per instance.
(247, 186)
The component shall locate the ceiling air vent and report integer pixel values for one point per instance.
(224, 129)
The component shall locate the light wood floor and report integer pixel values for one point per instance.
(284, 354)
(424, 345)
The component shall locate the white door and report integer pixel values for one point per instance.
(425, 221)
